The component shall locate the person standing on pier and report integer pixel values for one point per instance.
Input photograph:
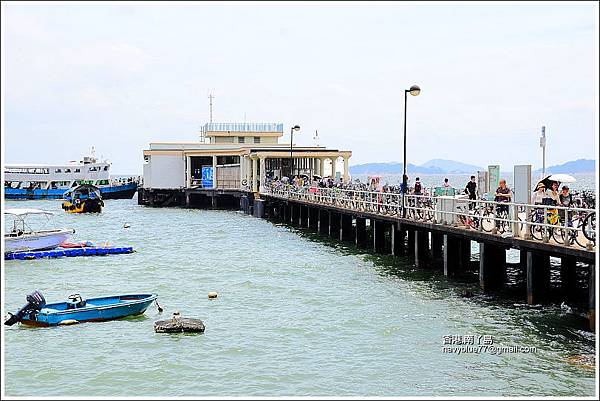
(471, 190)
(446, 183)
(503, 194)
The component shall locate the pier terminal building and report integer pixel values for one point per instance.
(230, 161)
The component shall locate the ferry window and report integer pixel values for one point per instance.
(241, 139)
(67, 170)
(94, 168)
(58, 170)
(105, 168)
(257, 139)
(77, 170)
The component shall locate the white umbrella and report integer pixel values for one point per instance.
(562, 178)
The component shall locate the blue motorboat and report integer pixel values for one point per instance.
(78, 310)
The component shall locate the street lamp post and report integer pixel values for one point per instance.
(294, 128)
(414, 91)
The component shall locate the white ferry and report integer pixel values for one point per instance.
(37, 181)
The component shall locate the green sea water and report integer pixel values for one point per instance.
(297, 315)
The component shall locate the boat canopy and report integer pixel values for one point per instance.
(25, 212)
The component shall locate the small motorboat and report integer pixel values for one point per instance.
(78, 310)
(83, 199)
(23, 238)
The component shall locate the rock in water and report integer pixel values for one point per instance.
(179, 325)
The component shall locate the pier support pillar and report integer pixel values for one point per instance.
(592, 297)
(421, 247)
(213, 201)
(304, 211)
(313, 218)
(334, 225)
(492, 266)
(293, 213)
(398, 236)
(538, 277)
(378, 236)
(346, 227)
(437, 242)
(286, 212)
(410, 241)
(450, 255)
(464, 256)
(568, 276)
(360, 237)
(323, 221)
(259, 208)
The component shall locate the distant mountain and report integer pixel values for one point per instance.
(435, 166)
(451, 166)
(442, 166)
(391, 168)
(574, 166)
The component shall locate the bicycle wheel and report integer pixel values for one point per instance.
(559, 235)
(537, 232)
(589, 227)
(487, 221)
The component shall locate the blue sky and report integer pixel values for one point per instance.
(120, 76)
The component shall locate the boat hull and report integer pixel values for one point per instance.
(125, 191)
(85, 206)
(95, 310)
(38, 241)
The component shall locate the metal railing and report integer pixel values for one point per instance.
(547, 223)
(242, 127)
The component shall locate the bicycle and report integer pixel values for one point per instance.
(552, 217)
(589, 227)
(469, 217)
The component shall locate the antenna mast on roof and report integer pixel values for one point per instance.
(316, 138)
(211, 97)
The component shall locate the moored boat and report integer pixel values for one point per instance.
(78, 310)
(50, 181)
(23, 238)
(83, 199)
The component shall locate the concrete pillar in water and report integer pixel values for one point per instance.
(437, 242)
(306, 216)
(592, 297)
(313, 218)
(213, 200)
(568, 276)
(323, 221)
(398, 235)
(421, 247)
(492, 266)
(410, 240)
(464, 257)
(378, 236)
(450, 255)
(538, 277)
(361, 232)
(346, 227)
(259, 208)
(187, 199)
(334, 224)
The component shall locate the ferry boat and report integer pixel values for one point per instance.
(37, 181)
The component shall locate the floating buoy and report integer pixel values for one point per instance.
(212, 295)
(127, 225)
(68, 322)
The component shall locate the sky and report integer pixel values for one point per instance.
(119, 76)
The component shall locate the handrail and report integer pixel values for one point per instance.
(517, 222)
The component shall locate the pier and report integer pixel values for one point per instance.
(236, 166)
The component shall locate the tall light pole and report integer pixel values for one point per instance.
(543, 146)
(294, 128)
(414, 91)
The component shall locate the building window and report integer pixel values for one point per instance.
(241, 139)
(67, 170)
(58, 170)
(257, 139)
(77, 170)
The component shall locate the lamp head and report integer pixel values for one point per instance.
(296, 128)
(414, 90)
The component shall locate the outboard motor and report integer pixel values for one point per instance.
(35, 302)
